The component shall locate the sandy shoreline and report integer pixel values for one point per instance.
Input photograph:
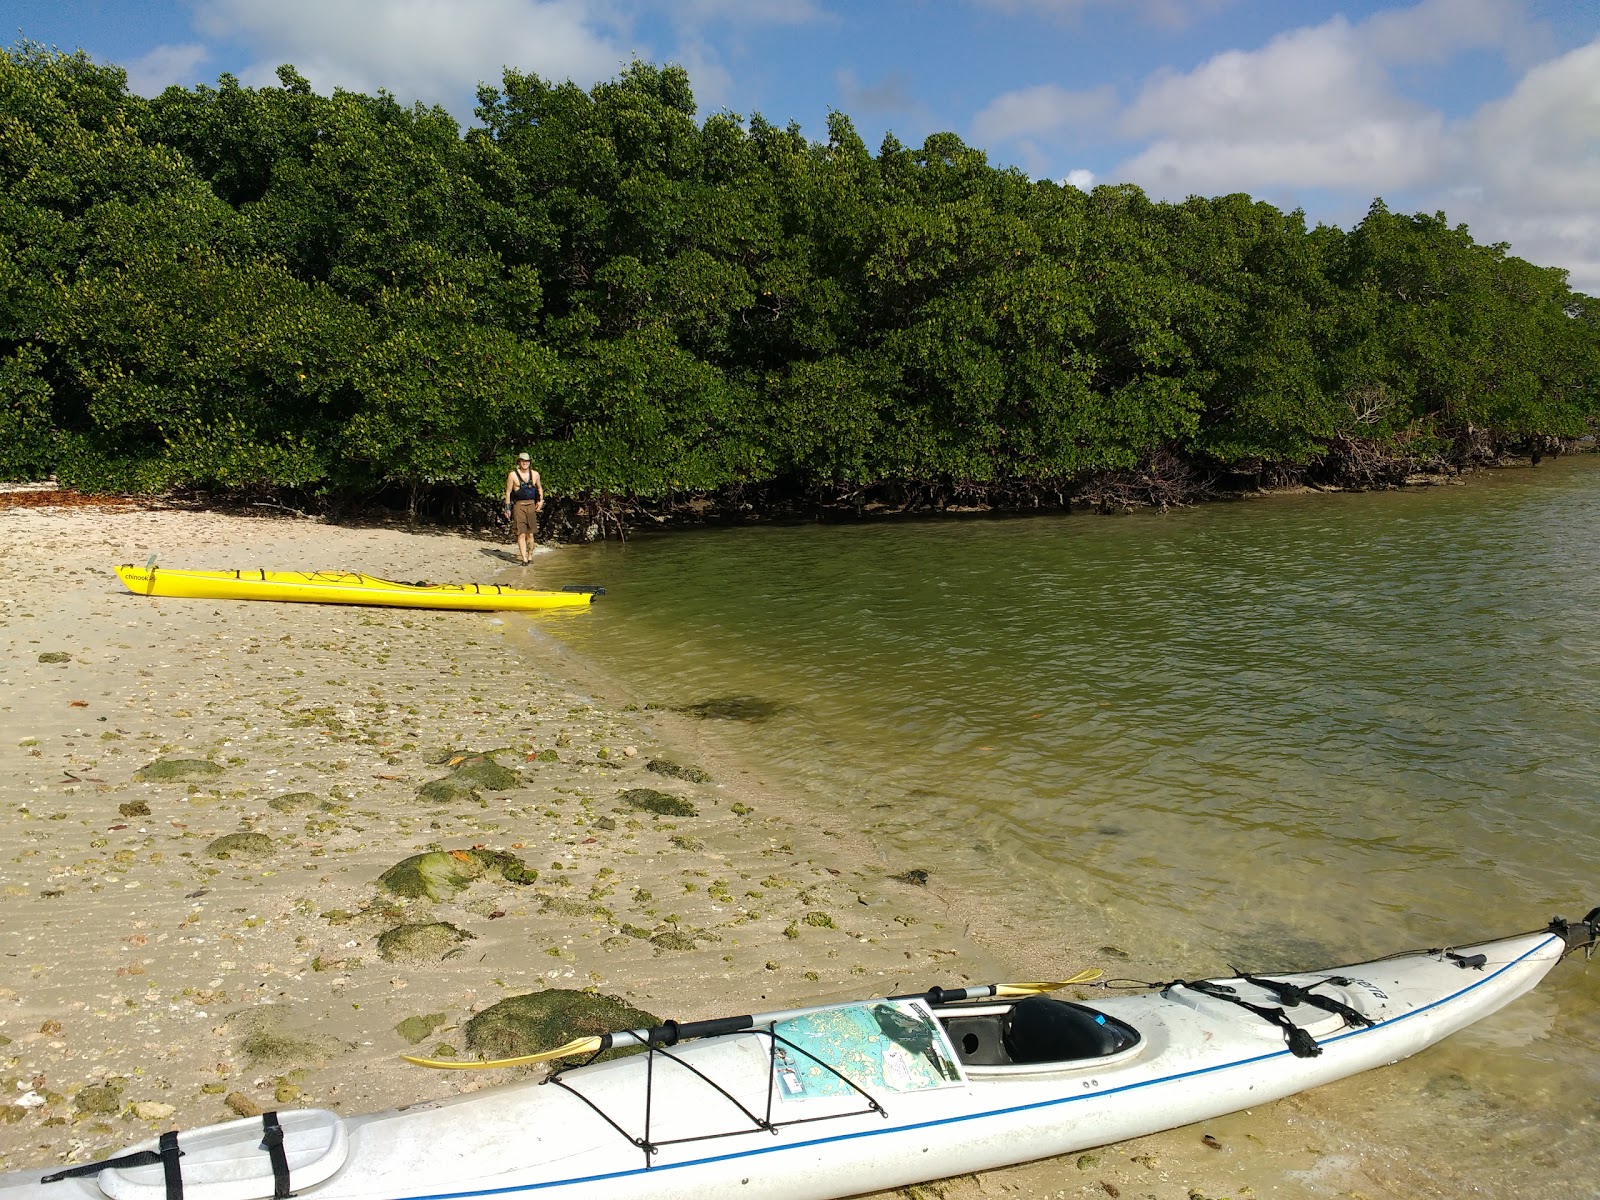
(141, 976)
(130, 954)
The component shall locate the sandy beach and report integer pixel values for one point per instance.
(198, 799)
(157, 971)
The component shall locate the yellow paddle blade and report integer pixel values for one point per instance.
(586, 1045)
(1087, 975)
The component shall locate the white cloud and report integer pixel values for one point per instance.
(152, 73)
(1080, 179)
(421, 49)
(1313, 108)
(1042, 109)
(1435, 31)
(1533, 173)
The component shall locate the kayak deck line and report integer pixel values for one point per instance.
(989, 1114)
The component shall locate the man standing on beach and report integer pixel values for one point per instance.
(523, 501)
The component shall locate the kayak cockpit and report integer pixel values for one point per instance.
(1037, 1033)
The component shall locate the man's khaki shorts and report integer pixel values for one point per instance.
(525, 517)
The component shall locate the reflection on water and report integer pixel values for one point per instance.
(1304, 729)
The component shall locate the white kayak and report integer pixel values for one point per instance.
(850, 1098)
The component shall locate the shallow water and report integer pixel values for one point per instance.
(1293, 731)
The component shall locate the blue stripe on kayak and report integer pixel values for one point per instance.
(983, 1116)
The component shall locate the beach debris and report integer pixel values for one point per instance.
(55, 656)
(421, 942)
(415, 1029)
(265, 1038)
(440, 874)
(241, 845)
(1211, 1141)
(164, 770)
(750, 709)
(684, 842)
(100, 1100)
(242, 1105)
(134, 808)
(665, 766)
(674, 939)
(539, 1021)
(295, 802)
(152, 1110)
(916, 877)
(661, 803)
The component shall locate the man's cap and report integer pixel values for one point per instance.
(523, 458)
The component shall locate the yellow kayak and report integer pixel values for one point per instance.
(341, 587)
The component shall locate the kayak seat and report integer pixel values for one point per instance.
(1041, 1029)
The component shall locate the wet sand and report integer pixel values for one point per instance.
(147, 983)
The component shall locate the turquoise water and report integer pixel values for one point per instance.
(1285, 731)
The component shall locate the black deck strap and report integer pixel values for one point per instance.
(1475, 961)
(170, 1154)
(272, 1143)
(1301, 1043)
(1292, 994)
(142, 1159)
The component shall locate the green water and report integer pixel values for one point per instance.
(1288, 731)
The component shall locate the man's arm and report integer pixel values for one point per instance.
(539, 483)
(506, 501)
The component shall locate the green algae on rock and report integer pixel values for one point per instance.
(440, 874)
(422, 942)
(101, 1100)
(665, 766)
(55, 656)
(662, 803)
(415, 1029)
(446, 791)
(241, 845)
(542, 1021)
(295, 802)
(164, 770)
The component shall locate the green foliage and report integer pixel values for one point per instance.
(258, 288)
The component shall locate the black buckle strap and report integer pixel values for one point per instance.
(168, 1156)
(272, 1143)
(1290, 994)
(1301, 1044)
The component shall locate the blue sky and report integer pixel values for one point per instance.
(1487, 109)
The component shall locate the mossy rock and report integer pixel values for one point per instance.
(99, 1101)
(241, 845)
(650, 800)
(265, 1040)
(446, 791)
(819, 920)
(672, 939)
(55, 656)
(684, 842)
(166, 770)
(423, 942)
(134, 808)
(544, 1020)
(440, 874)
(751, 709)
(481, 770)
(665, 766)
(415, 1029)
(295, 802)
